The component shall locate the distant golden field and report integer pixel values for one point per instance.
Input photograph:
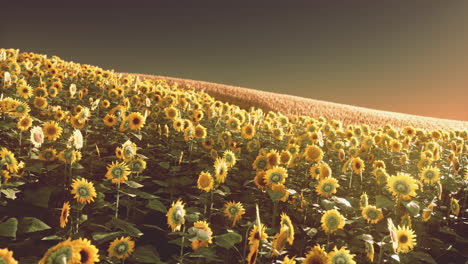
(294, 105)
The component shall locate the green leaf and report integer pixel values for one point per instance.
(327, 204)
(424, 256)
(275, 196)
(141, 194)
(383, 202)
(10, 193)
(395, 257)
(138, 136)
(413, 208)
(133, 184)
(146, 254)
(127, 227)
(9, 228)
(35, 167)
(52, 237)
(341, 201)
(31, 224)
(102, 237)
(366, 237)
(38, 197)
(192, 217)
(156, 205)
(228, 240)
(164, 164)
(161, 183)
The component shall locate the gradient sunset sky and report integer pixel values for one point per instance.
(402, 56)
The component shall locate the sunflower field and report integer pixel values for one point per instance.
(100, 167)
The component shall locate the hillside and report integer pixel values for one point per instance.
(294, 105)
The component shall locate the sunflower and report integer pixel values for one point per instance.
(332, 220)
(406, 239)
(20, 109)
(24, 123)
(325, 170)
(230, 158)
(402, 186)
(199, 131)
(64, 252)
(128, 150)
(454, 206)
(430, 175)
(316, 255)
(285, 157)
(370, 251)
(117, 172)
(9, 160)
(83, 190)
(259, 180)
(40, 102)
(313, 153)
(25, 91)
(381, 176)
(205, 181)
(109, 120)
(357, 165)
(69, 156)
(276, 175)
(248, 131)
(427, 212)
(395, 145)
(171, 113)
(288, 260)
(279, 242)
(363, 200)
(327, 187)
(234, 211)
(287, 224)
(273, 158)
(175, 215)
(52, 130)
(121, 248)
(372, 214)
(423, 163)
(77, 122)
(220, 170)
(233, 124)
(280, 189)
(341, 256)
(314, 171)
(37, 136)
(88, 252)
(255, 236)
(136, 121)
(64, 214)
(202, 238)
(260, 163)
(6, 256)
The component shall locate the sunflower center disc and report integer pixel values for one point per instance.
(403, 239)
(332, 222)
(121, 248)
(233, 210)
(402, 188)
(83, 191)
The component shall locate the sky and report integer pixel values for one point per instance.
(400, 56)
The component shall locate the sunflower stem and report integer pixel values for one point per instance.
(381, 251)
(350, 180)
(328, 241)
(118, 200)
(275, 212)
(182, 247)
